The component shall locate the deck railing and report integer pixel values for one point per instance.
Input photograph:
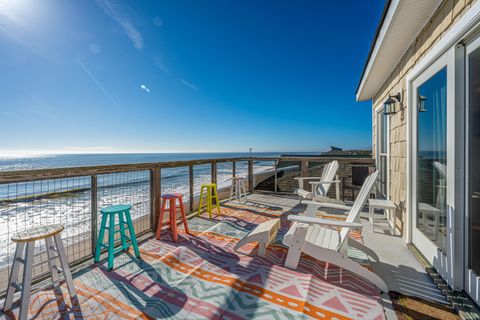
(73, 196)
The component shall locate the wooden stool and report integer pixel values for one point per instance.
(210, 194)
(238, 190)
(51, 234)
(110, 213)
(172, 198)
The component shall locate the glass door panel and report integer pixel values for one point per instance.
(431, 103)
(473, 156)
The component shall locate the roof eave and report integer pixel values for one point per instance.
(388, 10)
(372, 46)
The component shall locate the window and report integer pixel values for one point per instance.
(382, 154)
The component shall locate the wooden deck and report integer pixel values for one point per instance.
(209, 250)
(398, 266)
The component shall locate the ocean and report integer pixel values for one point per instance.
(68, 200)
(9, 163)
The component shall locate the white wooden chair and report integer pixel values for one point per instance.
(326, 239)
(320, 188)
(442, 185)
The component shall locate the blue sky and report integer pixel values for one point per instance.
(183, 76)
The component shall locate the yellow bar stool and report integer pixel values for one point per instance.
(210, 192)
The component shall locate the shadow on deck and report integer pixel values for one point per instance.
(201, 277)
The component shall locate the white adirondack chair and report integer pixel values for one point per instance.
(320, 188)
(321, 238)
(442, 185)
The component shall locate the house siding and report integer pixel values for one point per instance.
(445, 16)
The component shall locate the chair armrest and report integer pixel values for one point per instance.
(301, 180)
(327, 205)
(325, 182)
(326, 222)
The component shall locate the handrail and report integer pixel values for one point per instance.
(68, 172)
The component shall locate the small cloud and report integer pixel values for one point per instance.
(118, 13)
(94, 48)
(97, 83)
(188, 84)
(160, 65)
(158, 22)
(145, 88)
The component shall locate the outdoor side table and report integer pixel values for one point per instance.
(387, 206)
(425, 210)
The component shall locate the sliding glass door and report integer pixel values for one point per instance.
(473, 169)
(432, 123)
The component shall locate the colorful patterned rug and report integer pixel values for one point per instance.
(201, 277)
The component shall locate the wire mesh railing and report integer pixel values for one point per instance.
(265, 175)
(73, 197)
(287, 171)
(241, 170)
(176, 180)
(24, 205)
(224, 175)
(131, 188)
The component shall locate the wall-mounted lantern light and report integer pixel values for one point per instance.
(421, 103)
(389, 104)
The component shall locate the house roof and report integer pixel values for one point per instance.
(401, 22)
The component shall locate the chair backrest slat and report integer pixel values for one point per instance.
(328, 174)
(441, 168)
(358, 204)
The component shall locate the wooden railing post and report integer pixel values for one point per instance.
(275, 186)
(234, 169)
(250, 175)
(190, 187)
(214, 172)
(94, 208)
(155, 192)
(304, 168)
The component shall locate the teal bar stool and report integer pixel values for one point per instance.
(124, 218)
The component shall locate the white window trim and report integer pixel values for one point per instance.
(379, 113)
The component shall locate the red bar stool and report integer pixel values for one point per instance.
(172, 198)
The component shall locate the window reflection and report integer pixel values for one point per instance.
(432, 158)
(474, 160)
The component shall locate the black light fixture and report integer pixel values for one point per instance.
(389, 104)
(421, 103)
